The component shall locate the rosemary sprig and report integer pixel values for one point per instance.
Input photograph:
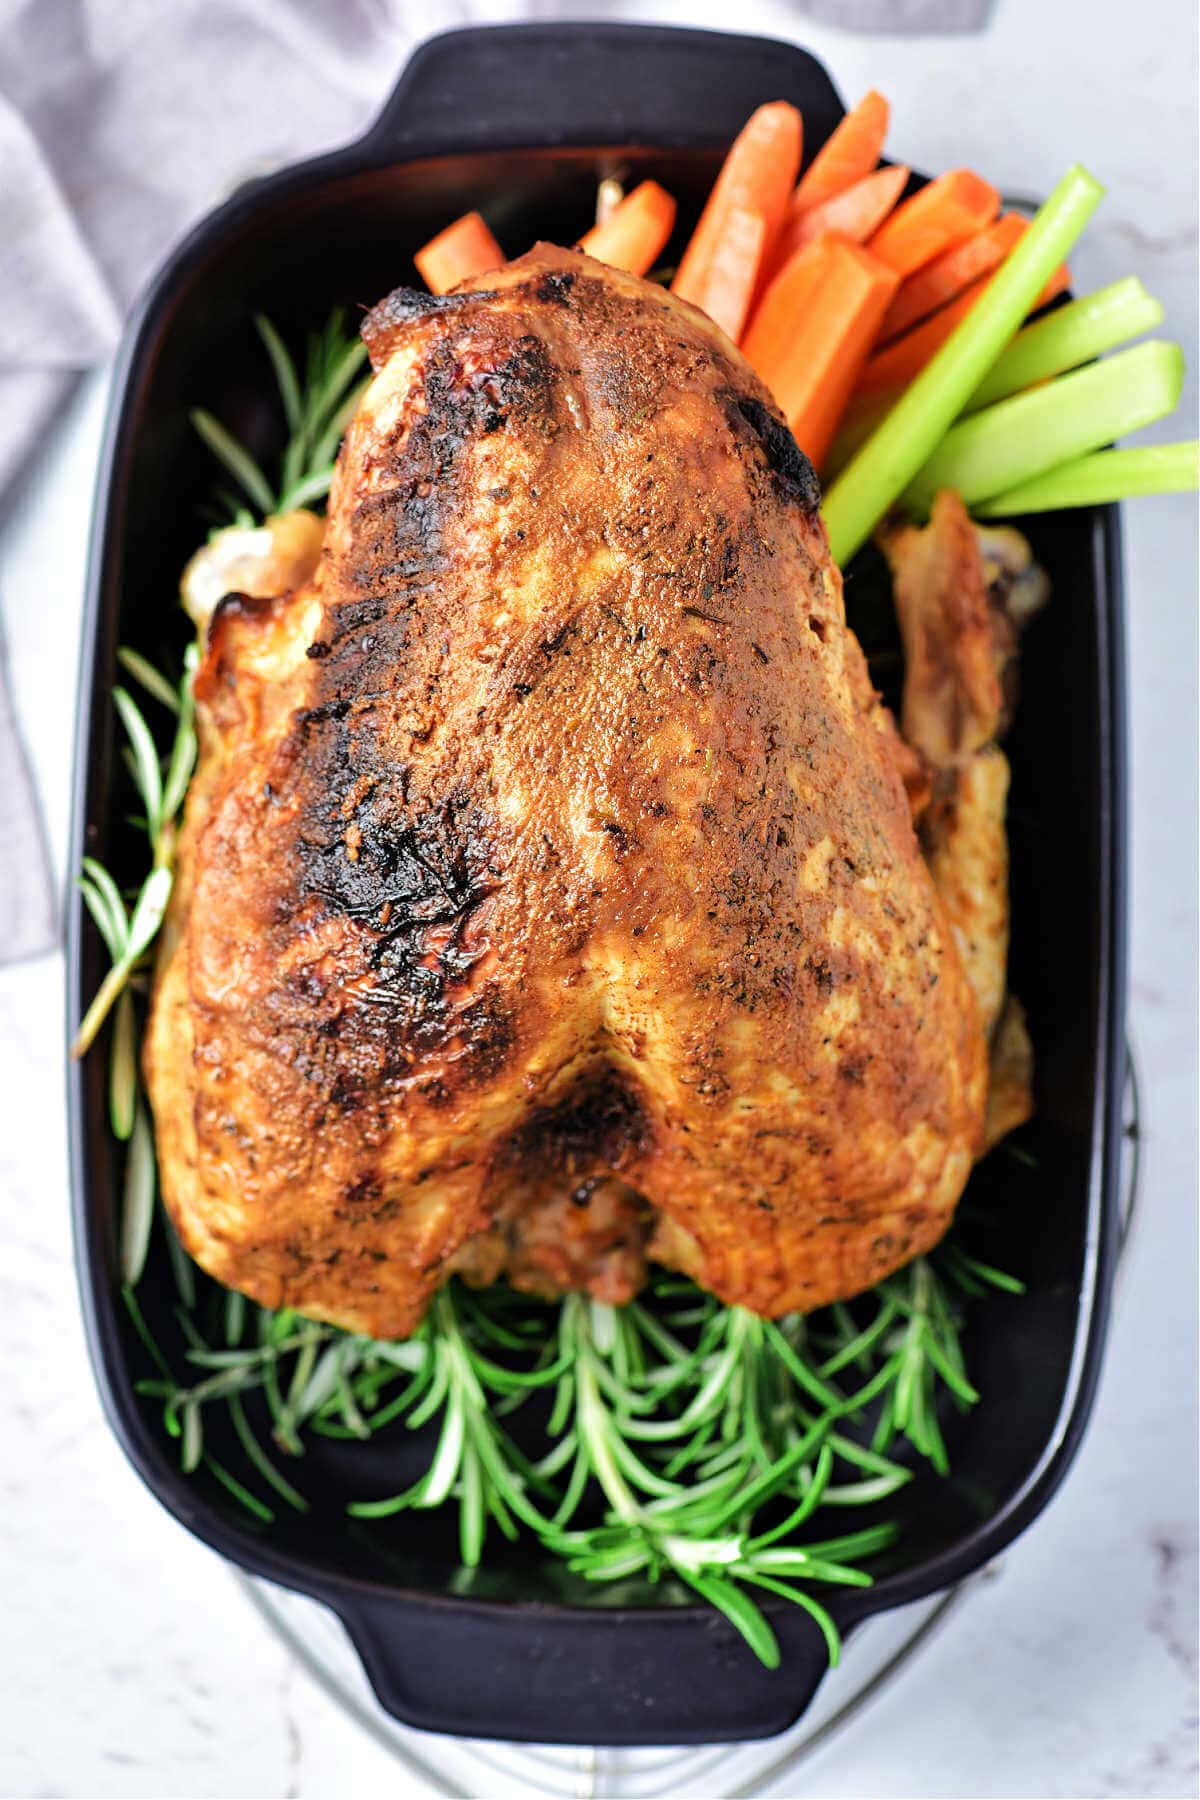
(316, 413)
(128, 932)
(686, 1441)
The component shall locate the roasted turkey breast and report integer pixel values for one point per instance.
(548, 899)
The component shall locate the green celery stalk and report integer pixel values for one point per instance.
(910, 433)
(1098, 479)
(1072, 335)
(1064, 339)
(1011, 442)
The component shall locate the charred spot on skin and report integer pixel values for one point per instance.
(363, 1192)
(349, 1090)
(599, 1125)
(487, 1034)
(400, 528)
(385, 324)
(822, 974)
(793, 473)
(522, 379)
(555, 289)
(415, 885)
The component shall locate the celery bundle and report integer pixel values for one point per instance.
(1013, 419)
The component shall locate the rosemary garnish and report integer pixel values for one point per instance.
(679, 1440)
(316, 413)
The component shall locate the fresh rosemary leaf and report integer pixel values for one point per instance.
(144, 1333)
(149, 677)
(259, 1458)
(183, 749)
(236, 458)
(384, 1509)
(286, 378)
(326, 447)
(472, 1513)
(243, 1495)
(958, 1263)
(742, 1613)
(192, 1447)
(137, 1211)
(146, 768)
(122, 1069)
(104, 902)
(788, 1591)
(855, 1348)
(235, 1317)
(319, 1387)
(148, 913)
(182, 1266)
(308, 489)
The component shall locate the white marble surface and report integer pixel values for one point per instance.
(130, 1663)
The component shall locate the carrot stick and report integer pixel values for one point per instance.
(850, 152)
(725, 290)
(811, 335)
(634, 233)
(954, 207)
(855, 213)
(756, 177)
(947, 275)
(896, 364)
(464, 250)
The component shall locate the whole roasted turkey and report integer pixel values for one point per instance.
(549, 900)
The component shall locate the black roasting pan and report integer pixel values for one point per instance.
(520, 121)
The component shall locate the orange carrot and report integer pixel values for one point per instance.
(633, 235)
(725, 290)
(756, 177)
(855, 213)
(896, 364)
(465, 249)
(850, 152)
(811, 335)
(947, 275)
(953, 207)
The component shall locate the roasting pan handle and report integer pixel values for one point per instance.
(558, 1674)
(508, 87)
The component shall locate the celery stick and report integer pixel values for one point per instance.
(1107, 475)
(1064, 339)
(1070, 336)
(914, 427)
(1011, 442)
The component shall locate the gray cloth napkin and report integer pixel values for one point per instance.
(123, 121)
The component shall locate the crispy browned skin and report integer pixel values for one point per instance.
(548, 893)
(963, 593)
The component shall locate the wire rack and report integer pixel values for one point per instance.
(462, 1768)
